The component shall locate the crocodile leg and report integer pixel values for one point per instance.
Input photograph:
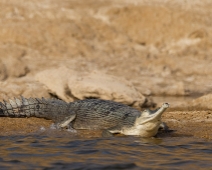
(106, 133)
(66, 121)
(110, 131)
(163, 126)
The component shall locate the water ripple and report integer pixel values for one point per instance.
(47, 151)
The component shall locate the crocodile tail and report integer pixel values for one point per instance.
(31, 107)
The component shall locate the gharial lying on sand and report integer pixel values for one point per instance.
(109, 116)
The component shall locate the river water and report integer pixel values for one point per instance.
(67, 150)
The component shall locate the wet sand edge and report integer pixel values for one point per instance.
(183, 123)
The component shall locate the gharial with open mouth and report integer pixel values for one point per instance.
(109, 116)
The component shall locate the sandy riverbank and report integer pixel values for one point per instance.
(160, 49)
(183, 123)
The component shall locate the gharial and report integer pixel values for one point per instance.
(109, 116)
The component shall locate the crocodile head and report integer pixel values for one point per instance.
(148, 123)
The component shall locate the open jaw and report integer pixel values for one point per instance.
(154, 116)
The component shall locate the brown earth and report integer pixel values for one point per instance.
(182, 123)
(161, 48)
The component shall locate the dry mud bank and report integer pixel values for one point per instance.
(183, 123)
(154, 48)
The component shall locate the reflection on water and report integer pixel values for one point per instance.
(70, 151)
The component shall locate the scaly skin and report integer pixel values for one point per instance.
(83, 114)
(102, 114)
(55, 110)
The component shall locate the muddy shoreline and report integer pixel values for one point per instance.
(182, 123)
(126, 51)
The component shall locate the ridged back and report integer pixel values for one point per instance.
(34, 107)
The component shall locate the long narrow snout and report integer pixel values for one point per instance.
(155, 116)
